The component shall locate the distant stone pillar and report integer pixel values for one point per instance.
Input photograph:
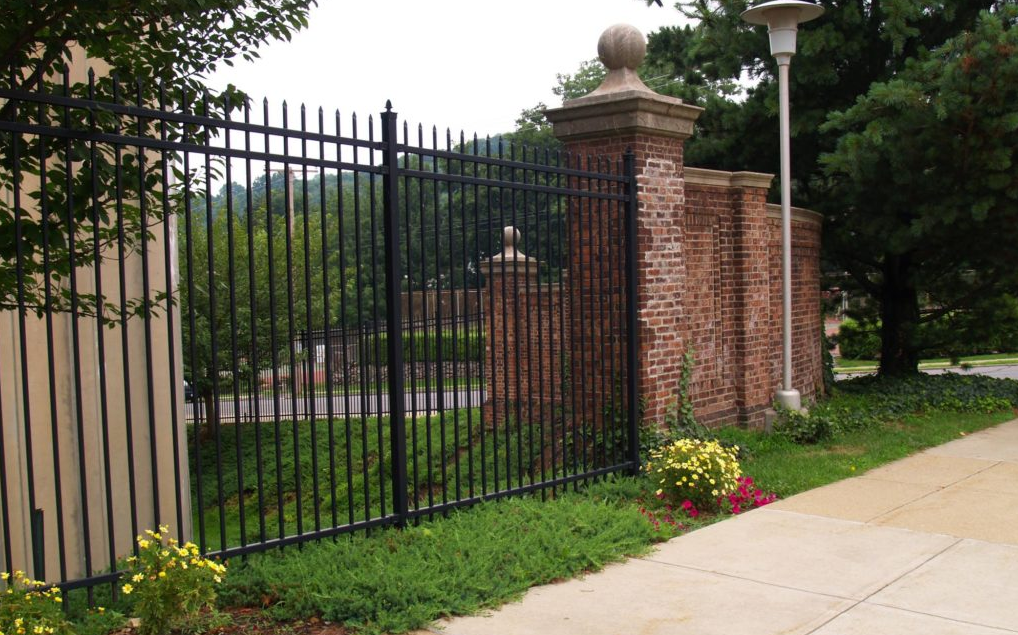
(624, 114)
(509, 277)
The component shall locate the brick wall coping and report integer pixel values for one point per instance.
(798, 213)
(720, 178)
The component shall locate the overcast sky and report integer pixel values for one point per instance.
(469, 65)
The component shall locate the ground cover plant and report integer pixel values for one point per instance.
(394, 581)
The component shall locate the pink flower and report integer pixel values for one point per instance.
(693, 513)
(736, 509)
(687, 504)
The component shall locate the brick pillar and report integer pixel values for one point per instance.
(509, 277)
(751, 296)
(624, 114)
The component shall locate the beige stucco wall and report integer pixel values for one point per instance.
(79, 446)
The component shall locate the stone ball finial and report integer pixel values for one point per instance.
(621, 46)
(510, 236)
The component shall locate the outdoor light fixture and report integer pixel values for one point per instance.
(783, 18)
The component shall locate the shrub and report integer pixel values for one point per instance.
(467, 346)
(858, 341)
(26, 608)
(172, 587)
(803, 427)
(695, 470)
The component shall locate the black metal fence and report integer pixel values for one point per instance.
(204, 308)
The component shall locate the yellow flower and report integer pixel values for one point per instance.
(127, 588)
(183, 565)
(162, 574)
(143, 543)
(4, 576)
(217, 579)
(58, 599)
(101, 609)
(137, 577)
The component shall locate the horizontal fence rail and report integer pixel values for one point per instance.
(264, 326)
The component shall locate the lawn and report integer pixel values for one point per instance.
(842, 365)
(314, 475)
(268, 480)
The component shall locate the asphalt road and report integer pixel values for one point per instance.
(368, 404)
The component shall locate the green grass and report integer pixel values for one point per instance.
(785, 468)
(449, 457)
(859, 365)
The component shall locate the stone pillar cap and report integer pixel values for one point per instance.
(511, 262)
(622, 104)
(621, 48)
(510, 236)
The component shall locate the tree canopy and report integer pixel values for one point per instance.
(147, 44)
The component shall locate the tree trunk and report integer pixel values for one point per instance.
(899, 317)
(211, 415)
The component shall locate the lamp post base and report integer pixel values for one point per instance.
(789, 399)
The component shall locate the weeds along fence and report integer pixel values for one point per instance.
(199, 300)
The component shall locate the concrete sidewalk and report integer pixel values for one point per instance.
(927, 545)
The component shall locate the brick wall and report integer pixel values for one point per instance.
(709, 271)
(807, 358)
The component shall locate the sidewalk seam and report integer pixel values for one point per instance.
(940, 617)
(864, 600)
(753, 580)
(938, 489)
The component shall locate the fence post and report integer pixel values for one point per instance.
(632, 328)
(394, 317)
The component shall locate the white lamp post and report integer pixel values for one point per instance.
(782, 18)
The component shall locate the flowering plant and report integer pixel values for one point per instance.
(663, 521)
(745, 497)
(26, 608)
(172, 586)
(696, 471)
